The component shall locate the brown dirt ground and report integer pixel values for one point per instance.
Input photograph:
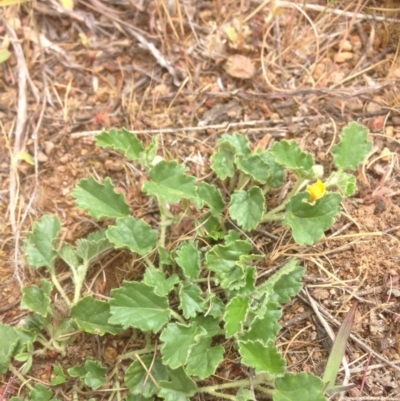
(307, 71)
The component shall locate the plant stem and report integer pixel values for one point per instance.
(261, 379)
(231, 184)
(243, 180)
(265, 189)
(146, 350)
(264, 390)
(148, 261)
(15, 372)
(222, 395)
(79, 278)
(271, 215)
(164, 223)
(177, 317)
(58, 286)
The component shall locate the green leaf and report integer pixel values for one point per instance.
(64, 330)
(179, 339)
(309, 221)
(188, 259)
(68, 254)
(235, 315)
(25, 340)
(150, 152)
(134, 234)
(215, 306)
(37, 299)
(40, 245)
(209, 323)
(282, 285)
(165, 256)
(276, 172)
(254, 166)
(137, 378)
(9, 340)
(262, 168)
(4, 55)
(204, 359)
(346, 183)
(300, 387)
(179, 388)
(289, 155)
(91, 315)
(59, 376)
(232, 236)
(265, 327)
(210, 227)
(352, 148)
(212, 197)
(36, 323)
(93, 246)
(222, 163)
(288, 286)
(244, 394)
(191, 300)
(122, 140)
(338, 350)
(40, 393)
(262, 357)
(249, 281)
(156, 278)
(229, 146)
(236, 143)
(100, 200)
(247, 207)
(223, 261)
(170, 183)
(137, 305)
(92, 372)
(230, 263)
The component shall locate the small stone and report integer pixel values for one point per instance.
(386, 155)
(111, 165)
(389, 131)
(238, 66)
(48, 147)
(319, 70)
(343, 57)
(355, 41)
(64, 159)
(42, 157)
(346, 46)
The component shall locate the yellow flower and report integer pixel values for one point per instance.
(316, 190)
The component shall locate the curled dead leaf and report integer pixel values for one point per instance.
(238, 66)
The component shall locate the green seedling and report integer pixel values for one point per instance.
(199, 294)
(338, 352)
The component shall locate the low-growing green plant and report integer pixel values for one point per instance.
(200, 294)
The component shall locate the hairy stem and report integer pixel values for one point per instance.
(79, 278)
(16, 372)
(261, 379)
(273, 214)
(178, 317)
(58, 286)
(146, 350)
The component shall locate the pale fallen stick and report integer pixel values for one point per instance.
(316, 7)
(364, 346)
(226, 126)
